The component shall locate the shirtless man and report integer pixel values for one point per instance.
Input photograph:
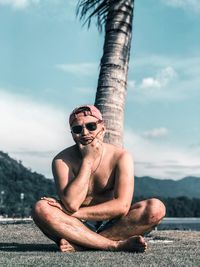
(95, 184)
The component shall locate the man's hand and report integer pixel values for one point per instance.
(55, 203)
(92, 150)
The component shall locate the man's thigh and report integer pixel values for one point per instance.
(129, 225)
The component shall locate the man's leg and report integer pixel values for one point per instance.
(142, 218)
(63, 244)
(59, 226)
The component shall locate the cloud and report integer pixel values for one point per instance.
(192, 5)
(195, 146)
(156, 132)
(166, 75)
(32, 132)
(35, 132)
(157, 62)
(54, 10)
(19, 4)
(161, 161)
(86, 69)
(162, 79)
(150, 82)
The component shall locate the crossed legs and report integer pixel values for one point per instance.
(141, 219)
(125, 235)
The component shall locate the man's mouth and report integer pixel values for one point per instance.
(86, 140)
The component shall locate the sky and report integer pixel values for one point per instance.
(49, 64)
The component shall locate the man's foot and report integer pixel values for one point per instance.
(133, 244)
(65, 246)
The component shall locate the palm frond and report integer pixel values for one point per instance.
(87, 9)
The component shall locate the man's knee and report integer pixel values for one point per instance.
(155, 211)
(41, 210)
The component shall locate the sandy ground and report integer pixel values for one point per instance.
(24, 245)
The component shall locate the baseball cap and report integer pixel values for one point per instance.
(86, 110)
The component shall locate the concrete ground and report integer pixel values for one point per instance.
(24, 245)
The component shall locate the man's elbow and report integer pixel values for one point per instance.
(124, 209)
(71, 206)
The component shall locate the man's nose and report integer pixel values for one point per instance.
(84, 130)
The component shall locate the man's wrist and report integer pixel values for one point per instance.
(88, 161)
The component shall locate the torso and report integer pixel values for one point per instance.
(101, 185)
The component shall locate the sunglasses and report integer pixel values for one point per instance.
(90, 126)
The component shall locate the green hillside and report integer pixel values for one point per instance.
(148, 187)
(182, 197)
(15, 180)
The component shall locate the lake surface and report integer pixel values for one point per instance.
(192, 224)
(180, 224)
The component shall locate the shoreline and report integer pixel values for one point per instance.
(173, 223)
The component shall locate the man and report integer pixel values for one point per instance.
(95, 184)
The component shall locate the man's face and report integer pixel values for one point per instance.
(88, 129)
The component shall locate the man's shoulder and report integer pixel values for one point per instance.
(117, 152)
(65, 154)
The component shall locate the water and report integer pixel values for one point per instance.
(192, 224)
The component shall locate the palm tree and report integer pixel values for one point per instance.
(117, 17)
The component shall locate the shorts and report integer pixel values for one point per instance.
(99, 226)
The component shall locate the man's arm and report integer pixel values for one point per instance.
(71, 190)
(123, 193)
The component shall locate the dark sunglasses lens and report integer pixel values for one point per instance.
(77, 129)
(91, 126)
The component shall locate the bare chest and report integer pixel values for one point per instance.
(102, 179)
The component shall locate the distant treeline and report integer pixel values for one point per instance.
(20, 188)
(176, 207)
(180, 206)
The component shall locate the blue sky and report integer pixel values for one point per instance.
(49, 64)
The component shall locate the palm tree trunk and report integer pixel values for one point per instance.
(111, 89)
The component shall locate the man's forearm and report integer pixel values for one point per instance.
(76, 191)
(104, 211)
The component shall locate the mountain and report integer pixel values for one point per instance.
(148, 187)
(16, 180)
